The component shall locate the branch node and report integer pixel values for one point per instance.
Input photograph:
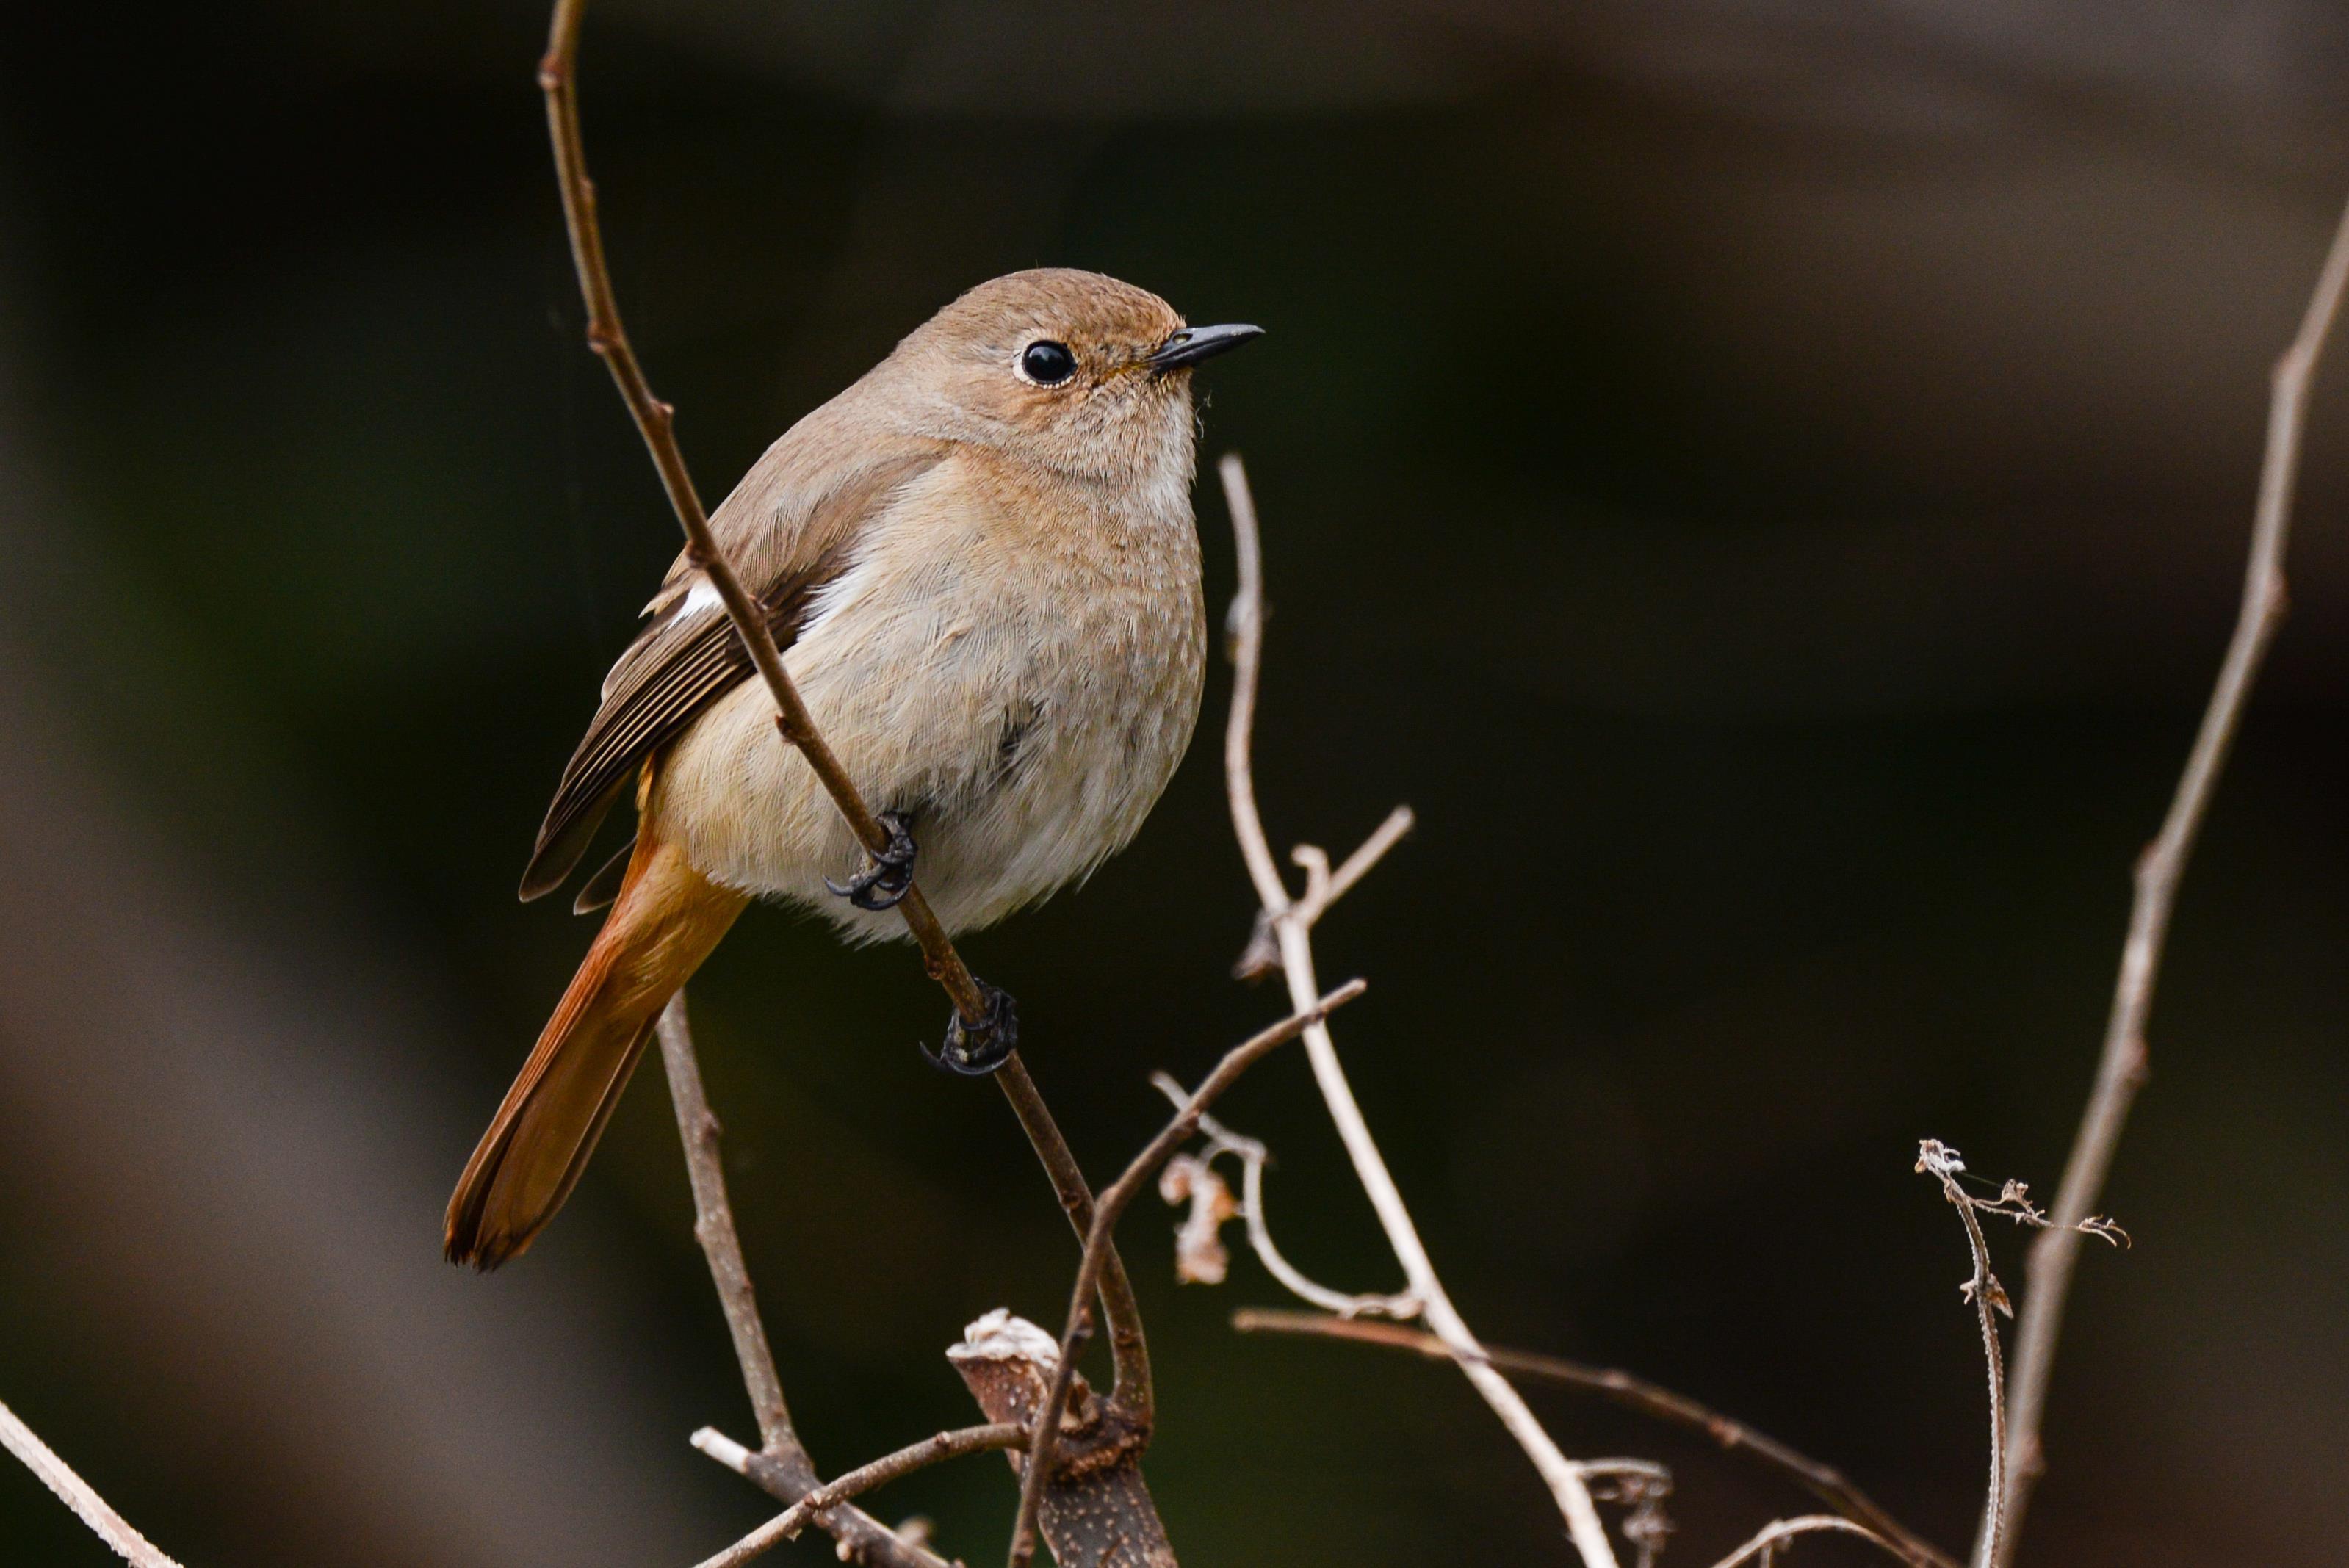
(1093, 1507)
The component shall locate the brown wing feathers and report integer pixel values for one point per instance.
(667, 916)
(681, 663)
(676, 668)
(598, 891)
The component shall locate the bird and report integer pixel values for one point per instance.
(981, 565)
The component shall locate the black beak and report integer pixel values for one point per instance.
(1194, 344)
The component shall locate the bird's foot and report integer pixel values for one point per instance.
(974, 1050)
(888, 876)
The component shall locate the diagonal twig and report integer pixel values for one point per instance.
(811, 1510)
(2121, 1070)
(656, 422)
(713, 1227)
(78, 1495)
(787, 1468)
(1824, 1482)
(1369, 853)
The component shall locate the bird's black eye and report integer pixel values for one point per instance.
(1047, 363)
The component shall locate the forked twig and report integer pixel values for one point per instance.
(1631, 1392)
(78, 1495)
(991, 1437)
(2122, 1067)
(1294, 941)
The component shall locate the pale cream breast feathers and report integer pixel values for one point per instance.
(1012, 656)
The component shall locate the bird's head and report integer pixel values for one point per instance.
(1068, 370)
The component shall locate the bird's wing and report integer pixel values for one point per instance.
(689, 656)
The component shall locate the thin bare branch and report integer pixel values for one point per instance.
(1323, 887)
(1631, 1392)
(785, 1466)
(1989, 1298)
(2122, 1068)
(1295, 942)
(1244, 629)
(716, 1445)
(790, 1477)
(1253, 1157)
(810, 1509)
(1114, 1200)
(1129, 1355)
(1386, 836)
(78, 1495)
(1767, 1540)
(656, 422)
(713, 1227)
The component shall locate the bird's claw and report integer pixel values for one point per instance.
(974, 1050)
(888, 876)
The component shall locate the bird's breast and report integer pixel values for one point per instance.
(1019, 668)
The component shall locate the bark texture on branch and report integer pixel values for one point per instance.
(1095, 1509)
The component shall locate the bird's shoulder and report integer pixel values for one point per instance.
(790, 528)
(808, 497)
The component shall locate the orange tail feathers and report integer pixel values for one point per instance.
(664, 921)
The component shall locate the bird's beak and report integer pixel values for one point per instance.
(1194, 344)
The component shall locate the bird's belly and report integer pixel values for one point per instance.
(1024, 751)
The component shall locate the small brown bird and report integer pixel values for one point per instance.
(980, 563)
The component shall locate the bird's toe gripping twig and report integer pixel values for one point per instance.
(976, 1049)
(887, 876)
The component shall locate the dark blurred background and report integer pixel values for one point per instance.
(1767, 481)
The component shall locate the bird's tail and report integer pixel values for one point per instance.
(664, 921)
